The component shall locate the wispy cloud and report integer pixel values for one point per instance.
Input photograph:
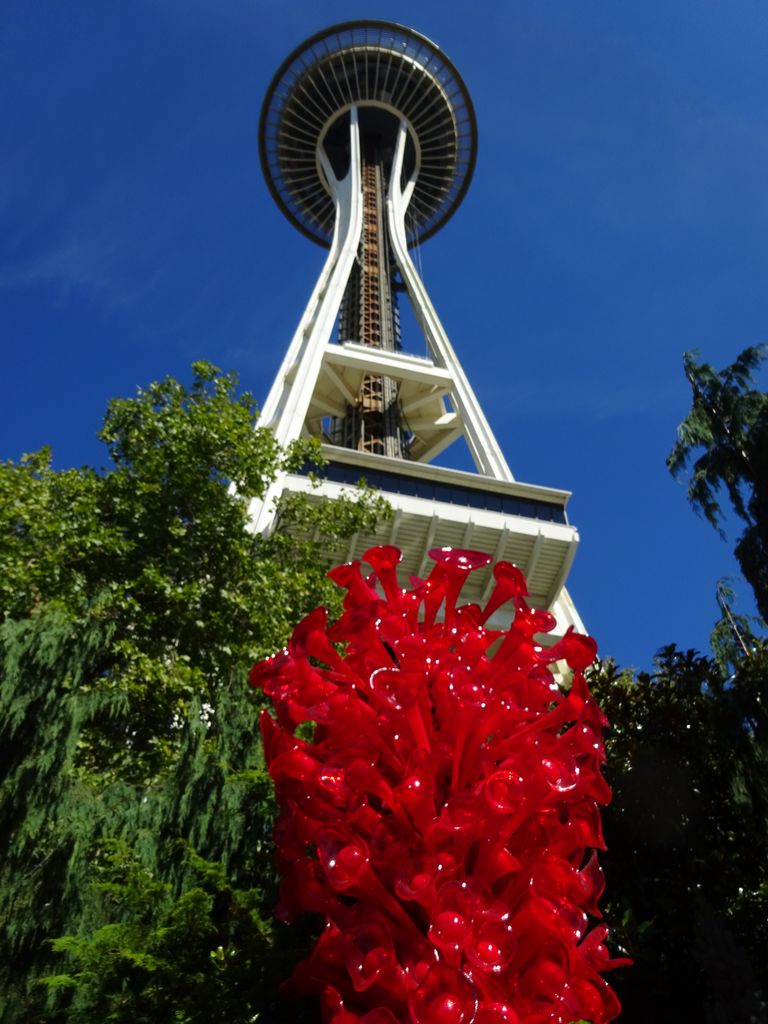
(94, 248)
(79, 263)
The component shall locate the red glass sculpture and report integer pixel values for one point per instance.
(444, 818)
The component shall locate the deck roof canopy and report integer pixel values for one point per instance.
(373, 65)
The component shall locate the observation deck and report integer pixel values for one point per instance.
(434, 507)
(386, 71)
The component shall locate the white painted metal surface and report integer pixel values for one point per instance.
(486, 453)
(285, 409)
(320, 378)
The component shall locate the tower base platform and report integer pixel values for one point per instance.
(438, 507)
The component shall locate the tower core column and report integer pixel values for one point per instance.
(369, 316)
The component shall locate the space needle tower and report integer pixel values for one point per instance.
(368, 143)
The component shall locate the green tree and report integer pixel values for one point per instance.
(733, 637)
(687, 831)
(728, 419)
(134, 806)
(687, 836)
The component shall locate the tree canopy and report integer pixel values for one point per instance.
(728, 423)
(687, 836)
(134, 808)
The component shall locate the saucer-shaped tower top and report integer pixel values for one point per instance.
(388, 72)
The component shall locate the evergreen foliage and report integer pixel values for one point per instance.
(687, 836)
(135, 810)
(734, 635)
(728, 419)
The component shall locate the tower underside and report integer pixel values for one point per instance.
(368, 143)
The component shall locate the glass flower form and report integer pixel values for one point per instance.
(445, 816)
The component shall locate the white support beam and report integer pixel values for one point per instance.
(337, 382)
(351, 547)
(461, 478)
(378, 360)
(533, 559)
(285, 409)
(467, 533)
(482, 444)
(500, 543)
(427, 545)
(565, 568)
(434, 394)
(392, 539)
(447, 421)
(442, 442)
(327, 406)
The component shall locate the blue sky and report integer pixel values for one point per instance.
(618, 216)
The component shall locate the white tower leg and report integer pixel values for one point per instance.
(285, 409)
(485, 450)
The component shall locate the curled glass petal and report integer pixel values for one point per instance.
(446, 996)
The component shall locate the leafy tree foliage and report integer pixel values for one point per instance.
(729, 421)
(734, 636)
(134, 806)
(687, 835)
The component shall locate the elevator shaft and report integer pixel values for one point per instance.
(369, 316)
